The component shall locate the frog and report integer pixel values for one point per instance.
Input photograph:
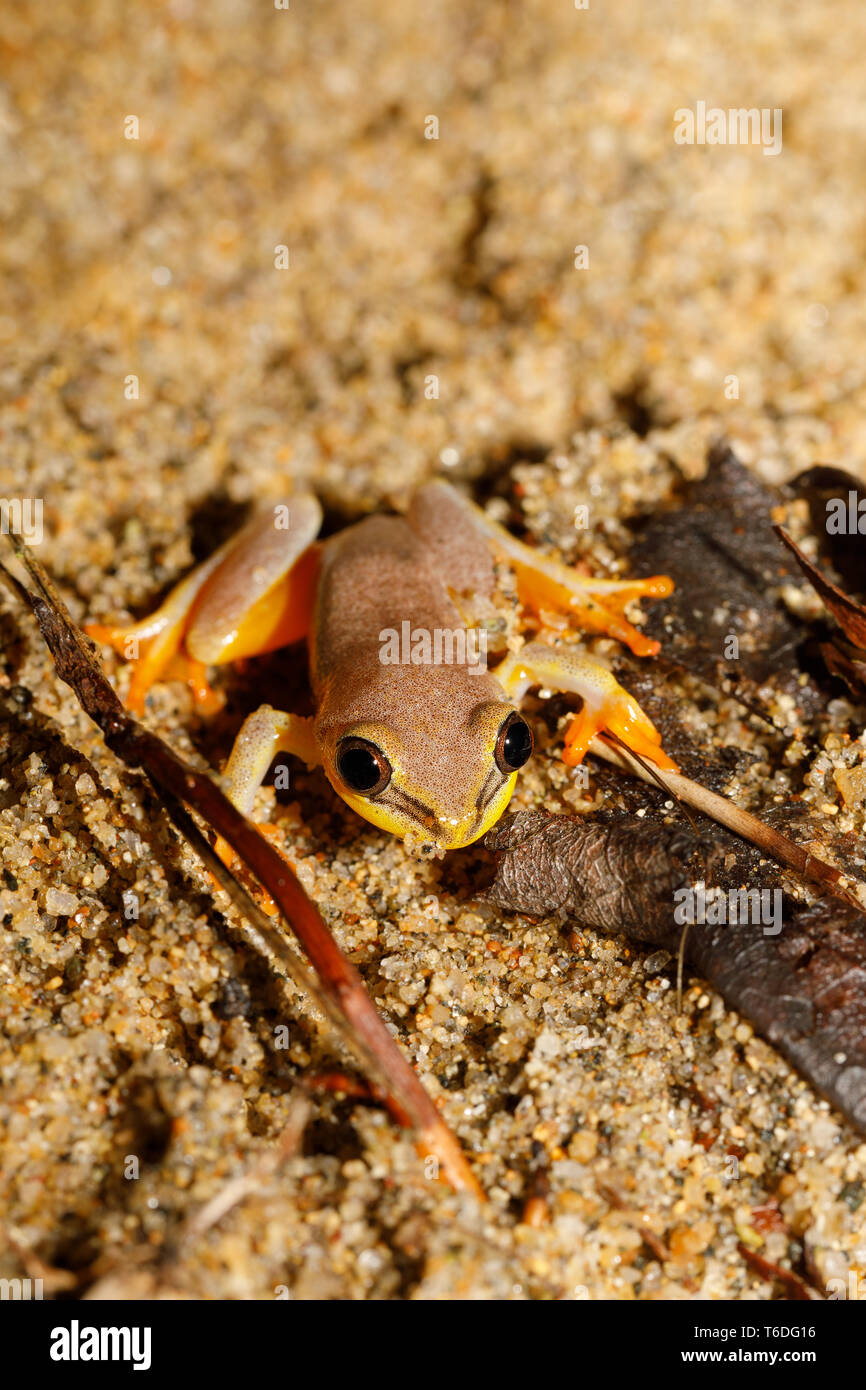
(418, 729)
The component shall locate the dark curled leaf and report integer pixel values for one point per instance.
(846, 659)
(614, 878)
(847, 666)
(719, 548)
(804, 989)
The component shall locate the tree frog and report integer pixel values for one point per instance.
(416, 727)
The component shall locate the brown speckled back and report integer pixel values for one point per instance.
(377, 575)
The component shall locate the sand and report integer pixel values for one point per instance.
(158, 375)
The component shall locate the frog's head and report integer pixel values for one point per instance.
(438, 777)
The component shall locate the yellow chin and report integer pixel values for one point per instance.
(464, 832)
(491, 815)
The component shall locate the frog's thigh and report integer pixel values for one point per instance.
(260, 596)
(251, 595)
(607, 706)
(447, 526)
(263, 734)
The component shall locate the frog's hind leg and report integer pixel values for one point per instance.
(253, 595)
(548, 587)
(607, 706)
(153, 645)
(260, 596)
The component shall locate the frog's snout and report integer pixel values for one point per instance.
(453, 833)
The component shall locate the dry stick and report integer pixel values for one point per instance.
(348, 1003)
(742, 823)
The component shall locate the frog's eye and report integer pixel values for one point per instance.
(514, 744)
(362, 766)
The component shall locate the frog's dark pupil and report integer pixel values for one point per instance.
(517, 744)
(359, 769)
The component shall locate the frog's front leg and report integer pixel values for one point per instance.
(263, 735)
(607, 707)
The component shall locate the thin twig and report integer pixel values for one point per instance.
(348, 1004)
(796, 1289)
(743, 823)
(681, 966)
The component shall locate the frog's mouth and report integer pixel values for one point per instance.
(426, 834)
(435, 835)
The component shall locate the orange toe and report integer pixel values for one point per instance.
(625, 719)
(225, 852)
(579, 735)
(106, 635)
(632, 637)
(194, 674)
(593, 612)
(629, 723)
